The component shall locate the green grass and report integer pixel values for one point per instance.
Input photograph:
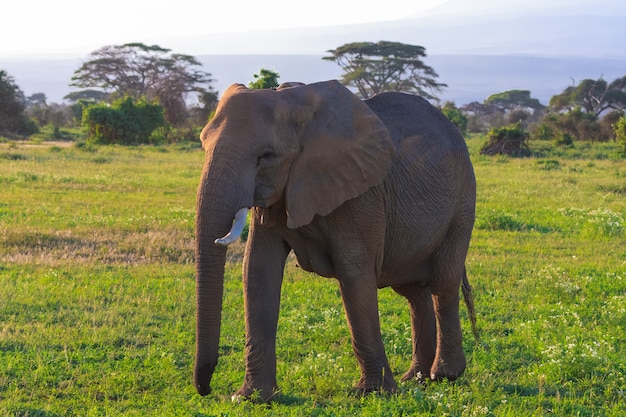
(97, 295)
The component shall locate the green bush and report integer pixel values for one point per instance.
(507, 140)
(86, 146)
(169, 134)
(578, 124)
(499, 220)
(564, 139)
(124, 122)
(455, 116)
(542, 131)
(20, 126)
(549, 164)
(619, 129)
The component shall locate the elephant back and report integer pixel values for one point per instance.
(407, 115)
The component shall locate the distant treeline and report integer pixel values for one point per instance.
(136, 93)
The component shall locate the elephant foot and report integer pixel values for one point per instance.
(382, 383)
(364, 389)
(255, 394)
(450, 366)
(416, 373)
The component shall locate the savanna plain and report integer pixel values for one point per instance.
(97, 302)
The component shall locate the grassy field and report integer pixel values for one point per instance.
(97, 295)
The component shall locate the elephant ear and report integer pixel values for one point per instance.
(345, 150)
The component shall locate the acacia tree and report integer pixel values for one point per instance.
(482, 116)
(90, 96)
(593, 96)
(137, 70)
(514, 100)
(385, 66)
(516, 105)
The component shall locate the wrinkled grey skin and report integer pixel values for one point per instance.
(374, 193)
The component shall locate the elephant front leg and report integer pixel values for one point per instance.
(262, 278)
(360, 302)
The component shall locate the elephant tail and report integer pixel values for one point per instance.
(466, 288)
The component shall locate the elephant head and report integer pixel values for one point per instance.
(311, 147)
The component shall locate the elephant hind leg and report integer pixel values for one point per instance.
(449, 360)
(447, 276)
(447, 272)
(423, 330)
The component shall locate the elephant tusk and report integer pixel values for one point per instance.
(235, 231)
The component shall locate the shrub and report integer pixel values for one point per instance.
(564, 139)
(13, 156)
(124, 122)
(85, 146)
(576, 123)
(619, 129)
(169, 134)
(549, 164)
(509, 140)
(20, 126)
(542, 131)
(455, 116)
(499, 220)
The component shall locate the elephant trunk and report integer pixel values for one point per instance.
(213, 220)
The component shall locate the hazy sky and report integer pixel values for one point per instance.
(74, 28)
(70, 27)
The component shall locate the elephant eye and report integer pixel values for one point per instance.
(266, 156)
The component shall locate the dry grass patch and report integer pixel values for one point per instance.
(98, 247)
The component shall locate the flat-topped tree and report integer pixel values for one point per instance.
(373, 68)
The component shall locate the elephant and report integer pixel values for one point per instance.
(374, 193)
